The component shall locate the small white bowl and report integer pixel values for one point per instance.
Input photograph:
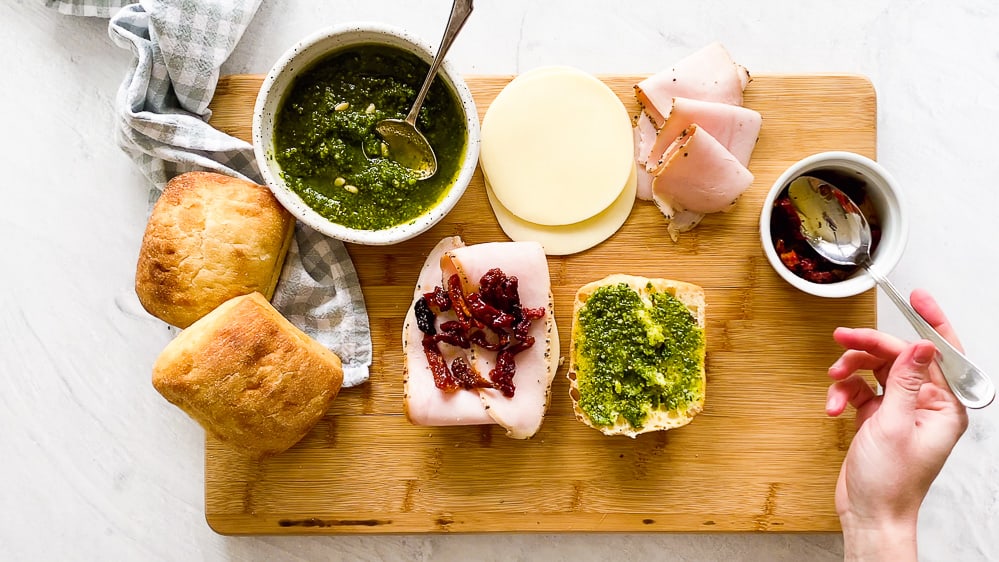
(300, 57)
(885, 196)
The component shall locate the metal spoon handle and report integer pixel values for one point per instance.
(460, 10)
(971, 386)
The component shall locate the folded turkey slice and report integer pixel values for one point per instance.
(737, 128)
(709, 74)
(645, 133)
(521, 415)
(423, 402)
(698, 175)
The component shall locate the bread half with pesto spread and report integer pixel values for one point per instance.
(636, 357)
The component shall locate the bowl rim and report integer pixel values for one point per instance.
(894, 226)
(365, 32)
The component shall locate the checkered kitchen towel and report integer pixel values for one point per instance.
(162, 106)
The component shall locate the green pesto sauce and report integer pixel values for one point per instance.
(635, 359)
(330, 154)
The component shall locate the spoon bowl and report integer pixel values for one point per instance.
(406, 144)
(837, 230)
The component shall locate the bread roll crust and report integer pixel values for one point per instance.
(690, 295)
(249, 377)
(209, 238)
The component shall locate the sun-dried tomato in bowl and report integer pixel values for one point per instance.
(795, 252)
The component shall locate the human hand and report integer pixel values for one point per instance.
(903, 437)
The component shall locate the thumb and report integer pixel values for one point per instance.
(907, 375)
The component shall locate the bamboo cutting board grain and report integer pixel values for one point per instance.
(762, 456)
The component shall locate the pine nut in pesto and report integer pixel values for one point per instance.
(325, 142)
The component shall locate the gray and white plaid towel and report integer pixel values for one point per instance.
(162, 105)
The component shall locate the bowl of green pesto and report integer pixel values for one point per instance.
(315, 143)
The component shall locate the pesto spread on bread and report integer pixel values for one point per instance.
(639, 356)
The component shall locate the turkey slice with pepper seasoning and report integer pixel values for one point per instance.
(486, 330)
(423, 402)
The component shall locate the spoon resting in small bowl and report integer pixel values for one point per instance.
(405, 142)
(838, 231)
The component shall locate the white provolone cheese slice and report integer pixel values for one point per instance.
(541, 70)
(570, 238)
(556, 146)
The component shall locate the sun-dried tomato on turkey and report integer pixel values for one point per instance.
(438, 299)
(491, 318)
(424, 317)
(502, 374)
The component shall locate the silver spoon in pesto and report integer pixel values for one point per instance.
(406, 144)
(838, 231)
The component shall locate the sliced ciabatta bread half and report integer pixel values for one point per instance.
(636, 357)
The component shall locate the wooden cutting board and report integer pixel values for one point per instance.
(763, 456)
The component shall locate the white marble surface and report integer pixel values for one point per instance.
(95, 465)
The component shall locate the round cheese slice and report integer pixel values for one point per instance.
(571, 238)
(540, 70)
(556, 146)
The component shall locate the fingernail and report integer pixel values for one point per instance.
(832, 405)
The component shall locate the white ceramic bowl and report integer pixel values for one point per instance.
(884, 195)
(299, 58)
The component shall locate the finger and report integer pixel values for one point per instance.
(853, 360)
(936, 397)
(867, 409)
(854, 391)
(937, 378)
(927, 307)
(878, 344)
(910, 371)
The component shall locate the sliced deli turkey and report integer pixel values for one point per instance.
(699, 174)
(734, 126)
(694, 140)
(708, 74)
(480, 341)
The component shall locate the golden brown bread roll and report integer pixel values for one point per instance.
(209, 238)
(248, 376)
